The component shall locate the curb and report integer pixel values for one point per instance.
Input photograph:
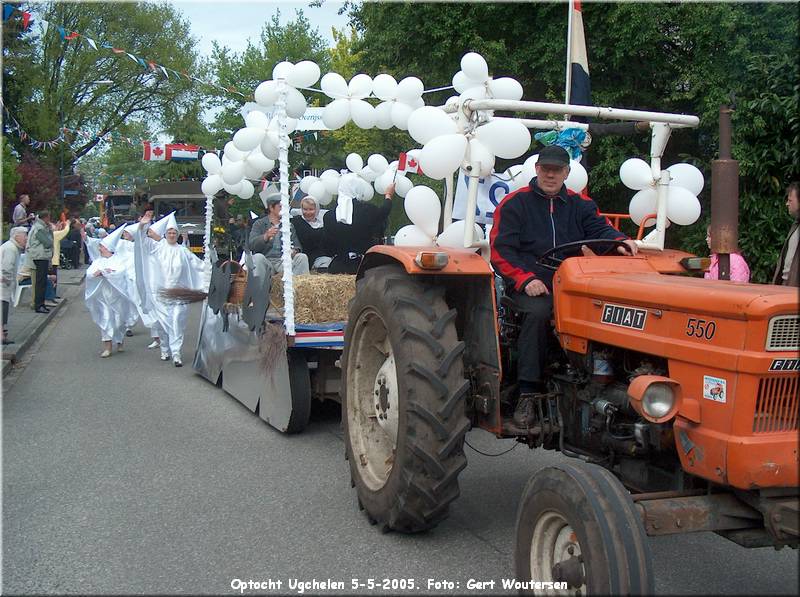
(26, 344)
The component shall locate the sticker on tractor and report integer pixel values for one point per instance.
(626, 317)
(785, 365)
(715, 388)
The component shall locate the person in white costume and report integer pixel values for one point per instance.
(166, 264)
(107, 292)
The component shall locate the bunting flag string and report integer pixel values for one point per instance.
(148, 65)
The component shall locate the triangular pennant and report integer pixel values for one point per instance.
(73, 35)
(141, 62)
(26, 20)
(164, 70)
(131, 56)
(61, 32)
(90, 41)
(117, 50)
(7, 10)
(45, 27)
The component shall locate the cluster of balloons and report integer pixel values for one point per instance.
(254, 148)
(424, 210)
(398, 101)
(377, 173)
(683, 206)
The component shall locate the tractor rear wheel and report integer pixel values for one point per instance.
(403, 400)
(578, 524)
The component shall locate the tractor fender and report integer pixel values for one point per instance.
(461, 262)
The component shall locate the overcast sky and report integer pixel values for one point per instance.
(231, 24)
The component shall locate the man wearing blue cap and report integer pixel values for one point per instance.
(527, 223)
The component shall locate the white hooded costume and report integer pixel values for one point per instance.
(161, 265)
(107, 294)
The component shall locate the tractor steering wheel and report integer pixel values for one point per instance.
(551, 261)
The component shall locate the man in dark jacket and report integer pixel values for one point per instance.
(787, 272)
(527, 223)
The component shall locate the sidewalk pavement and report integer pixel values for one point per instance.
(25, 325)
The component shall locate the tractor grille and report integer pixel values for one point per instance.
(777, 405)
(784, 333)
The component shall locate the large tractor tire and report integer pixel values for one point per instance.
(403, 401)
(578, 524)
(300, 384)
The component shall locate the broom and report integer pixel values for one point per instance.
(182, 296)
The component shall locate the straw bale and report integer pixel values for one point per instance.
(318, 298)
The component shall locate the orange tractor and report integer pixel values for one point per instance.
(676, 397)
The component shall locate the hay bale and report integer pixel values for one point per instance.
(318, 298)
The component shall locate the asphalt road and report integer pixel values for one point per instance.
(127, 475)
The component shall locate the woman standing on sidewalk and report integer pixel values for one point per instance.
(9, 255)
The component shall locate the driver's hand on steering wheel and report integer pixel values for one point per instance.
(630, 247)
(536, 288)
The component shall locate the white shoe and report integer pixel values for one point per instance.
(164, 356)
(105, 354)
(119, 347)
(153, 344)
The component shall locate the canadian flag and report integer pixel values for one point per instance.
(154, 152)
(408, 163)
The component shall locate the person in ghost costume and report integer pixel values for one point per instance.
(166, 264)
(125, 251)
(107, 291)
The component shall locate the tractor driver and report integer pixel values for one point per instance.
(527, 223)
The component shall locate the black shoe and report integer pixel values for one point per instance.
(58, 297)
(7, 342)
(128, 333)
(525, 413)
(42, 309)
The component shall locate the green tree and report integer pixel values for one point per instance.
(10, 179)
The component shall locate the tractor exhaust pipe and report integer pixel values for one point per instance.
(724, 198)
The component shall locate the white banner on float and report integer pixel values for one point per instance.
(491, 191)
(310, 121)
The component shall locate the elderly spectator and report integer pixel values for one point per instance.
(739, 270)
(20, 217)
(787, 272)
(9, 256)
(40, 252)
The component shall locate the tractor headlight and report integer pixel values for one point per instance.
(658, 400)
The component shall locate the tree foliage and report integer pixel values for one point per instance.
(10, 179)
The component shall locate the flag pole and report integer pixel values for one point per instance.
(569, 52)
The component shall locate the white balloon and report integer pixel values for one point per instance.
(360, 86)
(211, 185)
(506, 88)
(428, 122)
(331, 182)
(636, 174)
(232, 189)
(480, 158)
(266, 93)
(232, 153)
(247, 190)
(402, 186)
(643, 204)
(529, 168)
(248, 138)
(224, 160)
(269, 146)
(400, 114)
(317, 190)
(258, 160)
(354, 162)
(304, 74)
(211, 163)
(256, 119)
(377, 163)
(453, 100)
(334, 86)
(282, 70)
(686, 176)
(324, 200)
(514, 177)
(412, 236)
(578, 177)
(336, 114)
(233, 172)
(453, 235)
(251, 171)
(417, 103)
(474, 66)
(476, 92)
(384, 87)
(505, 137)
(295, 104)
(383, 181)
(305, 184)
(423, 209)
(409, 89)
(383, 115)
(443, 155)
(362, 113)
(461, 82)
(683, 207)
(365, 191)
(368, 174)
